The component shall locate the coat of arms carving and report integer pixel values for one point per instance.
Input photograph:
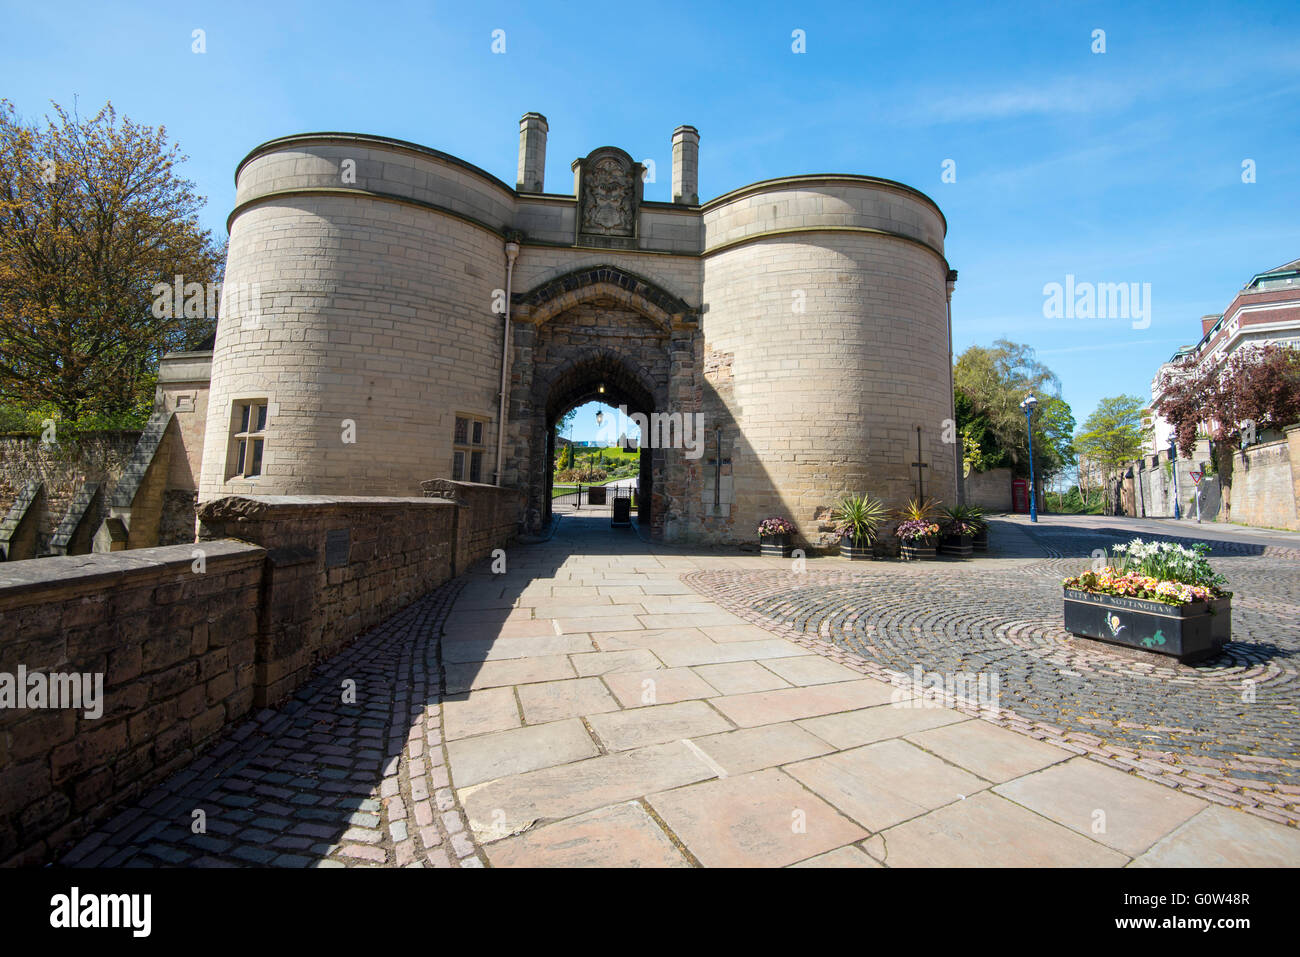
(609, 194)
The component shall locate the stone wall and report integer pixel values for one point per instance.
(486, 517)
(64, 468)
(336, 566)
(175, 651)
(837, 351)
(989, 490)
(190, 637)
(1264, 489)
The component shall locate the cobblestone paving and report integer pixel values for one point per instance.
(317, 782)
(1192, 727)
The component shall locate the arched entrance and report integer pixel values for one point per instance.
(599, 326)
(598, 376)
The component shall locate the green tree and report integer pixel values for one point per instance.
(1112, 436)
(990, 384)
(566, 456)
(93, 216)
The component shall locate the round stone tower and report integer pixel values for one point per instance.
(359, 309)
(826, 342)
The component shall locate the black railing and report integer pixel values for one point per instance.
(582, 496)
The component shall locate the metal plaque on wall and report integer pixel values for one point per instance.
(338, 544)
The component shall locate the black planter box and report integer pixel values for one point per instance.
(596, 495)
(775, 546)
(980, 540)
(911, 553)
(1191, 632)
(848, 549)
(959, 545)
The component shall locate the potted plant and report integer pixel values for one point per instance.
(958, 530)
(774, 536)
(918, 532)
(857, 520)
(980, 540)
(1156, 596)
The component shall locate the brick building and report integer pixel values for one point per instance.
(1266, 310)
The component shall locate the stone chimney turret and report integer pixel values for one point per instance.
(532, 153)
(686, 165)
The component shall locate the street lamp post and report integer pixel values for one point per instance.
(1173, 467)
(1028, 406)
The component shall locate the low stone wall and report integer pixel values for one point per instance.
(191, 637)
(174, 650)
(486, 516)
(336, 566)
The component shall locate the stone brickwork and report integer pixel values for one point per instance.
(486, 517)
(379, 267)
(65, 468)
(138, 496)
(190, 637)
(336, 566)
(175, 649)
(1264, 491)
(839, 346)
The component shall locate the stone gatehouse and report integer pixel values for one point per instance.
(805, 318)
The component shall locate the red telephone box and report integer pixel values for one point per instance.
(1020, 495)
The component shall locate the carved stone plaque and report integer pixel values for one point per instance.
(338, 547)
(610, 194)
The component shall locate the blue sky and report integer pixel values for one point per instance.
(1123, 166)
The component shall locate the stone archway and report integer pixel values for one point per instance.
(600, 376)
(595, 326)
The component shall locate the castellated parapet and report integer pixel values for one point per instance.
(803, 317)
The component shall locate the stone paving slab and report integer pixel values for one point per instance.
(993, 753)
(501, 753)
(764, 819)
(1113, 808)
(986, 830)
(524, 800)
(791, 704)
(753, 749)
(852, 729)
(851, 856)
(614, 662)
(656, 724)
(494, 709)
(1219, 837)
(570, 698)
(637, 689)
(880, 785)
(622, 835)
(740, 677)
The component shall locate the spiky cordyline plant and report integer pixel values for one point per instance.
(860, 515)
